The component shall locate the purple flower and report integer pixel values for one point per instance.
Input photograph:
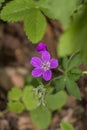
(41, 47)
(43, 66)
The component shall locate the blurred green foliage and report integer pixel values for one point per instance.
(75, 39)
(33, 13)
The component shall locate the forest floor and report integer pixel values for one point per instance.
(15, 53)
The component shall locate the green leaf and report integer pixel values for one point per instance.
(49, 89)
(16, 10)
(72, 88)
(60, 83)
(29, 98)
(75, 74)
(65, 63)
(57, 100)
(58, 9)
(34, 20)
(76, 71)
(31, 80)
(41, 117)
(75, 38)
(35, 25)
(75, 61)
(28, 79)
(66, 126)
(17, 107)
(15, 94)
(1, 1)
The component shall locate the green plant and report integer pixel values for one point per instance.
(36, 96)
(66, 126)
(33, 14)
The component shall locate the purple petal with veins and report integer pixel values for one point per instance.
(46, 56)
(36, 62)
(47, 75)
(37, 72)
(53, 63)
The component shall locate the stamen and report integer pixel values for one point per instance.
(46, 66)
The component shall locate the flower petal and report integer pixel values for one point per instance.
(45, 56)
(37, 72)
(41, 47)
(53, 63)
(47, 75)
(36, 62)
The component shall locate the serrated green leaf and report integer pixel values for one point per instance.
(75, 38)
(29, 98)
(35, 25)
(41, 117)
(34, 20)
(66, 126)
(72, 88)
(16, 10)
(17, 107)
(57, 100)
(58, 9)
(14, 94)
(60, 83)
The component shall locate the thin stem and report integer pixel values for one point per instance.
(40, 81)
(61, 70)
(56, 78)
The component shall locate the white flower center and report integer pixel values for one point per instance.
(46, 66)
